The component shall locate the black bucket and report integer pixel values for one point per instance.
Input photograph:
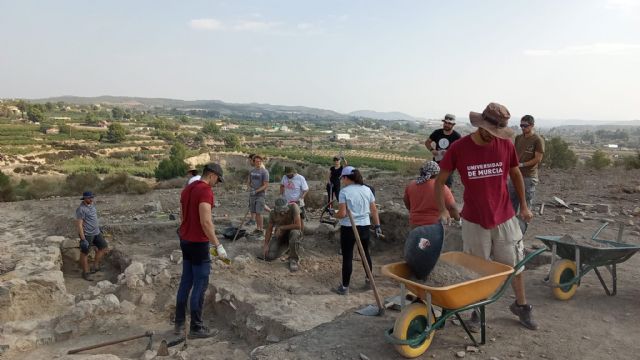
(230, 233)
(422, 249)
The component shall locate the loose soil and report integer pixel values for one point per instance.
(445, 274)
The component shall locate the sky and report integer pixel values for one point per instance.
(569, 59)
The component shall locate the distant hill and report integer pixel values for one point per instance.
(394, 115)
(252, 110)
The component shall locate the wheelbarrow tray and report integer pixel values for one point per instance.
(614, 253)
(492, 276)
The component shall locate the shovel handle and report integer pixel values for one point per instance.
(113, 342)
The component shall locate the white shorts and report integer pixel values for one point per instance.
(502, 243)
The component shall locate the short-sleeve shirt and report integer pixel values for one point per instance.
(483, 170)
(89, 216)
(443, 141)
(288, 218)
(526, 148)
(294, 187)
(190, 199)
(334, 178)
(358, 199)
(423, 205)
(257, 178)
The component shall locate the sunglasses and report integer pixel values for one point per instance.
(524, 126)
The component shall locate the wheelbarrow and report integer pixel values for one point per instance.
(415, 328)
(572, 260)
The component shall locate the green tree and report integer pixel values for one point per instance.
(178, 152)
(116, 133)
(599, 160)
(64, 129)
(90, 119)
(44, 127)
(117, 113)
(49, 106)
(558, 155)
(183, 119)
(210, 128)
(35, 114)
(6, 190)
(231, 141)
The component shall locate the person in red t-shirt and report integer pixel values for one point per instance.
(197, 235)
(420, 199)
(490, 228)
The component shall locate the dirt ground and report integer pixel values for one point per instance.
(260, 310)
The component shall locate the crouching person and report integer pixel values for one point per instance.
(285, 219)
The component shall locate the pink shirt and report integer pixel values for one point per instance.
(483, 170)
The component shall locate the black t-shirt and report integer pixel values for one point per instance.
(443, 141)
(335, 174)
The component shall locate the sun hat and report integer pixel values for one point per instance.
(449, 118)
(281, 205)
(494, 119)
(347, 170)
(87, 194)
(214, 168)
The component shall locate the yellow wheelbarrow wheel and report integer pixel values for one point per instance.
(562, 272)
(411, 323)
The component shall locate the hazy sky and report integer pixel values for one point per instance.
(554, 59)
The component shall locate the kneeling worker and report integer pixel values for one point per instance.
(285, 218)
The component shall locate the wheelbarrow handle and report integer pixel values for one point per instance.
(528, 258)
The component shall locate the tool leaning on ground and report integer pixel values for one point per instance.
(369, 310)
(148, 334)
(244, 219)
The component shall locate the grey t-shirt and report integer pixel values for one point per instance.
(89, 216)
(258, 176)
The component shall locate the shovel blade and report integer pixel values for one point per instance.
(370, 310)
(163, 349)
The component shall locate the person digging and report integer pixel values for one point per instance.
(285, 219)
(89, 232)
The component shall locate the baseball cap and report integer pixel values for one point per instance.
(347, 170)
(494, 119)
(450, 118)
(214, 168)
(528, 119)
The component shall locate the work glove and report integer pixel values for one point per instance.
(218, 251)
(378, 231)
(301, 202)
(252, 192)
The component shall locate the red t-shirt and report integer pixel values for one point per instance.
(190, 199)
(421, 202)
(483, 170)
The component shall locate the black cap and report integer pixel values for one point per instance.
(214, 168)
(529, 119)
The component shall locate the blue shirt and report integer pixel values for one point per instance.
(358, 199)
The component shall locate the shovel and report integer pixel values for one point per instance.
(148, 334)
(369, 310)
(241, 225)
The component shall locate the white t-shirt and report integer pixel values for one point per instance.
(358, 199)
(193, 179)
(294, 187)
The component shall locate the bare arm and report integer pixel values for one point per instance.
(264, 187)
(429, 145)
(204, 210)
(518, 183)
(79, 223)
(342, 211)
(537, 157)
(374, 213)
(268, 233)
(281, 189)
(440, 181)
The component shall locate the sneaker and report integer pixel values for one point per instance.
(342, 290)
(86, 276)
(178, 329)
(524, 312)
(250, 222)
(293, 265)
(473, 324)
(201, 333)
(95, 269)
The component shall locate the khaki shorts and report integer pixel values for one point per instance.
(256, 204)
(502, 243)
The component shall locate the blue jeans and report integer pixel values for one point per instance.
(194, 280)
